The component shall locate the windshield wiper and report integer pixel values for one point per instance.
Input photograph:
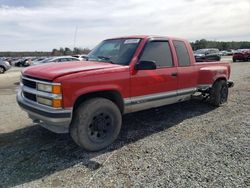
(107, 59)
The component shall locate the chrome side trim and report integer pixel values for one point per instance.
(155, 100)
(186, 91)
(148, 98)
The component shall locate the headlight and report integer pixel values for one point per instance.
(44, 87)
(55, 89)
(55, 103)
(44, 101)
(54, 100)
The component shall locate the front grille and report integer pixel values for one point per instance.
(29, 96)
(29, 83)
(30, 92)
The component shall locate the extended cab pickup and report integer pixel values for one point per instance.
(121, 75)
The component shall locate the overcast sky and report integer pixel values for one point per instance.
(47, 24)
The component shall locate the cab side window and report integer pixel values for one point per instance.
(159, 52)
(182, 53)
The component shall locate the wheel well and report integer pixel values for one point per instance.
(208, 90)
(218, 79)
(112, 95)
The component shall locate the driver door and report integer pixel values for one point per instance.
(152, 88)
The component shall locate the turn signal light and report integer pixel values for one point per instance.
(56, 89)
(57, 103)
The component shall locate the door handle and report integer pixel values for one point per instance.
(174, 74)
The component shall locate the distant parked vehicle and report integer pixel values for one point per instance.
(55, 59)
(230, 52)
(209, 54)
(241, 55)
(227, 52)
(4, 66)
(223, 53)
(38, 60)
(24, 62)
(81, 57)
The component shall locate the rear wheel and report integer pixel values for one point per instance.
(219, 93)
(96, 124)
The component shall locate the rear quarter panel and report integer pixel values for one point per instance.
(209, 72)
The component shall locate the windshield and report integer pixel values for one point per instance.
(117, 51)
(201, 51)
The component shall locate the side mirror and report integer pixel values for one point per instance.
(145, 65)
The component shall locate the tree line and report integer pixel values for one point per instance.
(68, 51)
(203, 43)
(198, 44)
(55, 52)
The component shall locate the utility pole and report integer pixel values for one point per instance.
(75, 35)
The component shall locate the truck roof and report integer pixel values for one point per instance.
(148, 36)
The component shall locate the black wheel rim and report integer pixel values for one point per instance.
(101, 127)
(224, 94)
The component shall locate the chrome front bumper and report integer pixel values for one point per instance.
(56, 120)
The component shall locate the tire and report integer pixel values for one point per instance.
(234, 60)
(2, 70)
(96, 124)
(219, 93)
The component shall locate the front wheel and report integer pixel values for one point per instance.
(96, 124)
(219, 93)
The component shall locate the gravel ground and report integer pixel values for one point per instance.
(189, 144)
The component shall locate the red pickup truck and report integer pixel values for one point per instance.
(121, 75)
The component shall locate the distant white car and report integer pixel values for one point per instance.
(81, 57)
(223, 53)
(56, 59)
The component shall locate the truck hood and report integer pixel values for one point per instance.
(50, 71)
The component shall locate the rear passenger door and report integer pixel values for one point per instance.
(161, 82)
(187, 75)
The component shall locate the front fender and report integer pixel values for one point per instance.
(93, 89)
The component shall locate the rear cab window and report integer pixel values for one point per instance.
(182, 53)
